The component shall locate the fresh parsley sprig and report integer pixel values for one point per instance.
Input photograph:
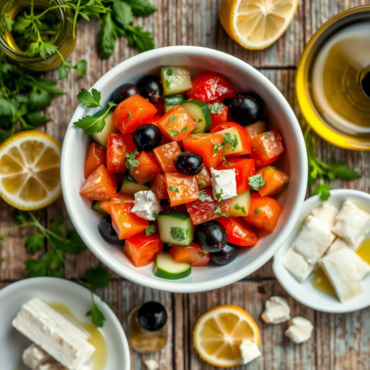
(92, 124)
(320, 170)
(256, 182)
(230, 140)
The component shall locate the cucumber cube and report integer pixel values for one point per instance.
(175, 80)
(166, 267)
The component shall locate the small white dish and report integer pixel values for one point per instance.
(306, 293)
(77, 299)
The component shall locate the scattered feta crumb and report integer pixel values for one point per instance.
(351, 223)
(146, 203)
(297, 265)
(224, 184)
(249, 351)
(276, 311)
(300, 330)
(33, 357)
(326, 213)
(151, 364)
(313, 240)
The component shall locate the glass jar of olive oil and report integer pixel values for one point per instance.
(58, 30)
(333, 80)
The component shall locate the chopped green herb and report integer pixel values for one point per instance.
(179, 233)
(219, 195)
(173, 188)
(227, 164)
(202, 255)
(150, 230)
(256, 182)
(185, 129)
(171, 118)
(267, 135)
(200, 120)
(215, 108)
(128, 114)
(170, 72)
(229, 140)
(195, 131)
(238, 208)
(256, 211)
(202, 196)
(202, 183)
(155, 214)
(131, 161)
(168, 84)
(173, 133)
(217, 147)
(219, 213)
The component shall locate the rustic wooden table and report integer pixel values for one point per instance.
(339, 342)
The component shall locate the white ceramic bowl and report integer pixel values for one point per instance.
(77, 299)
(279, 115)
(305, 293)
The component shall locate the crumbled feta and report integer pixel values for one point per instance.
(146, 204)
(326, 213)
(276, 311)
(224, 184)
(151, 364)
(297, 265)
(342, 273)
(313, 240)
(351, 223)
(300, 330)
(33, 357)
(51, 366)
(249, 351)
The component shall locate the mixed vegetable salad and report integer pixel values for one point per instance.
(181, 171)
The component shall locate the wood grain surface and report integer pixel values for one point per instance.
(339, 342)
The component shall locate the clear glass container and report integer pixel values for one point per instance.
(64, 39)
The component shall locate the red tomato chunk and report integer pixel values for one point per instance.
(203, 178)
(118, 146)
(159, 187)
(238, 232)
(119, 198)
(219, 117)
(166, 154)
(275, 180)
(147, 170)
(181, 189)
(193, 254)
(96, 155)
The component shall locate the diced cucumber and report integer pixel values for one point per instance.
(175, 228)
(235, 145)
(199, 112)
(102, 136)
(166, 267)
(175, 80)
(239, 205)
(171, 101)
(96, 207)
(131, 186)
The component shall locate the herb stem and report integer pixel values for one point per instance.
(52, 8)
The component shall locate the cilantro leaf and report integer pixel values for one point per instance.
(220, 213)
(35, 242)
(46, 49)
(215, 107)
(171, 118)
(173, 188)
(219, 195)
(173, 133)
(21, 24)
(107, 37)
(179, 233)
(202, 196)
(201, 184)
(74, 244)
(20, 217)
(256, 211)
(36, 268)
(142, 40)
(256, 182)
(324, 191)
(238, 208)
(185, 129)
(217, 147)
(229, 140)
(37, 119)
(89, 99)
(98, 277)
(80, 67)
(141, 7)
(150, 230)
(64, 69)
(122, 13)
(339, 170)
(97, 317)
(155, 214)
(131, 161)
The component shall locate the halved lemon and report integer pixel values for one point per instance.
(256, 24)
(219, 332)
(30, 170)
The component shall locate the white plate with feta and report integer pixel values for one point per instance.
(52, 311)
(327, 236)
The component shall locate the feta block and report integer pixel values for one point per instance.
(297, 265)
(276, 311)
(223, 183)
(56, 335)
(145, 205)
(342, 273)
(300, 330)
(33, 357)
(351, 223)
(249, 351)
(51, 366)
(313, 240)
(361, 266)
(357, 243)
(151, 364)
(337, 244)
(326, 213)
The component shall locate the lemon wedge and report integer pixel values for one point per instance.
(256, 24)
(219, 332)
(30, 170)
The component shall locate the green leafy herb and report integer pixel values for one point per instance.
(195, 131)
(155, 214)
(217, 147)
(97, 317)
(179, 233)
(229, 140)
(171, 118)
(215, 107)
(35, 242)
(185, 129)
(201, 255)
(202, 196)
(227, 164)
(267, 135)
(318, 169)
(256, 182)
(219, 213)
(131, 161)
(173, 133)
(150, 230)
(173, 188)
(238, 208)
(202, 183)
(219, 195)
(128, 114)
(199, 121)
(170, 72)
(256, 211)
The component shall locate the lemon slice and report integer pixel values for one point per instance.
(256, 24)
(29, 170)
(219, 333)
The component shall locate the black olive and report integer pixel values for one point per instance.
(166, 247)
(189, 163)
(164, 202)
(151, 88)
(226, 102)
(227, 255)
(152, 316)
(123, 92)
(107, 232)
(246, 108)
(211, 236)
(147, 137)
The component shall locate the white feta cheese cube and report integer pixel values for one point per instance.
(361, 266)
(351, 223)
(342, 274)
(151, 364)
(146, 204)
(326, 213)
(56, 335)
(52, 366)
(300, 330)
(249, 351)
(33, 357)
(276, 311)
(297, 265)
(224, 184)
(357, 243)
(313, 240)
